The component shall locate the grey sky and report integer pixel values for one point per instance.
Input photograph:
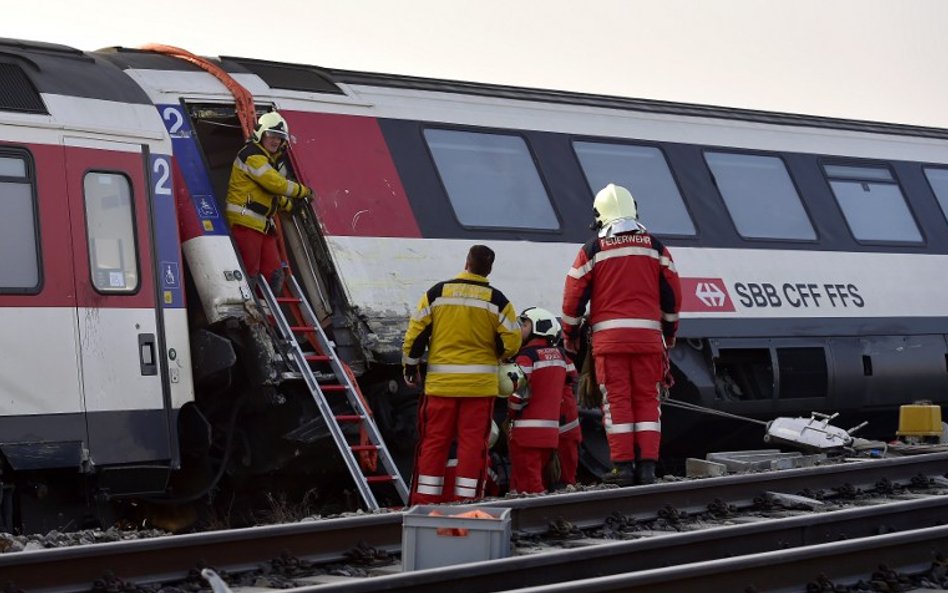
(862, 59)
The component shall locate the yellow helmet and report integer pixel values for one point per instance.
(510, 378)
(271, 123)
(612, 203)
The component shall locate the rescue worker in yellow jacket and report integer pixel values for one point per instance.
(258, 189)
(467, 327)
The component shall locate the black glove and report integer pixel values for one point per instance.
(298, 205)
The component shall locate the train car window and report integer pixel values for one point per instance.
(760, 196)
(110, 227)
(18, 227)
(644, 171)
(938, 179)
(873, 203)
(491, 180)
(858, 173)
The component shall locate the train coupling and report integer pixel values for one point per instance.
(813, 434)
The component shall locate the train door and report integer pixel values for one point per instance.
(40, 399)
(126, 395)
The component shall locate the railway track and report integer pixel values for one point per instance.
(905, 561)
(572, 558)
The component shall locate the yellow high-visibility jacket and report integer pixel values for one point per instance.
(257, 189)
(467, 326)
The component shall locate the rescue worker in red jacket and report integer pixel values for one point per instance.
(467, 327)
(571, 435)
(258, 188)
(629, 280)
(534, 412)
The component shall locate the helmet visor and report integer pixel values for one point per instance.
(275, 133)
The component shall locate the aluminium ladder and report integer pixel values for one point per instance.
(343, 384)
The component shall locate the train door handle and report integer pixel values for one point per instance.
(147, 354)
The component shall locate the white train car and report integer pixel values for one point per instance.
(809, 250)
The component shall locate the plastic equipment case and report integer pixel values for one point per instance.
(430, 541)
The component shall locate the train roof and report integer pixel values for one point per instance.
(59, 69)
(301, 77)
(28, 69)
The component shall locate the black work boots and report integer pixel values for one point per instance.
(622, 474)
(629, 473)
(645, 471)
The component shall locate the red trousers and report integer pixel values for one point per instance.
(443, 420)
(568, 451)
(258, 251)
(526, 467)
(630, 403)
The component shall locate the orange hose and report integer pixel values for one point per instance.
(246, 111)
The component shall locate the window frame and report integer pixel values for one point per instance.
(940, 167)
(533, 158)
(822, 162)
(31, 179)
(135, 238)
(793, 182)
(674, 175)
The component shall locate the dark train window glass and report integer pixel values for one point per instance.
(19, 267)
(113, 254)
(802, 372)
(938, 179)
(858, 173)
(872, 203)
(491, 180)
(760, 196)
(644, 171)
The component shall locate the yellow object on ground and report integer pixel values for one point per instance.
(921, 419)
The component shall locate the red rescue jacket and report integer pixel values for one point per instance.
(633, 291)
(569, 410)
(536, 419)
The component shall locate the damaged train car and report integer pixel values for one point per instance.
(132, 360)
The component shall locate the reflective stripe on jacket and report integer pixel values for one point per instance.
(537, 420)
(257, 189)
(569, 410)
(467, 326)
(633, 291)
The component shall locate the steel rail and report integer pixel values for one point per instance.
(695, 495)
(66, 570)
(615, 558)
(783, 570)
(73, 569)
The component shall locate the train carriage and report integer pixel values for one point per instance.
(809, 249)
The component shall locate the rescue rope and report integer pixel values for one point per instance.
(675, 403)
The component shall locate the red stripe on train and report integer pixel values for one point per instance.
(346, 160)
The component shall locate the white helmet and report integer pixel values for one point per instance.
(271, 123)
(612, 203)
(510, 378)
(545, 324)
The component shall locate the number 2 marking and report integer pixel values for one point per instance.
(174, 117)
(162, 171)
